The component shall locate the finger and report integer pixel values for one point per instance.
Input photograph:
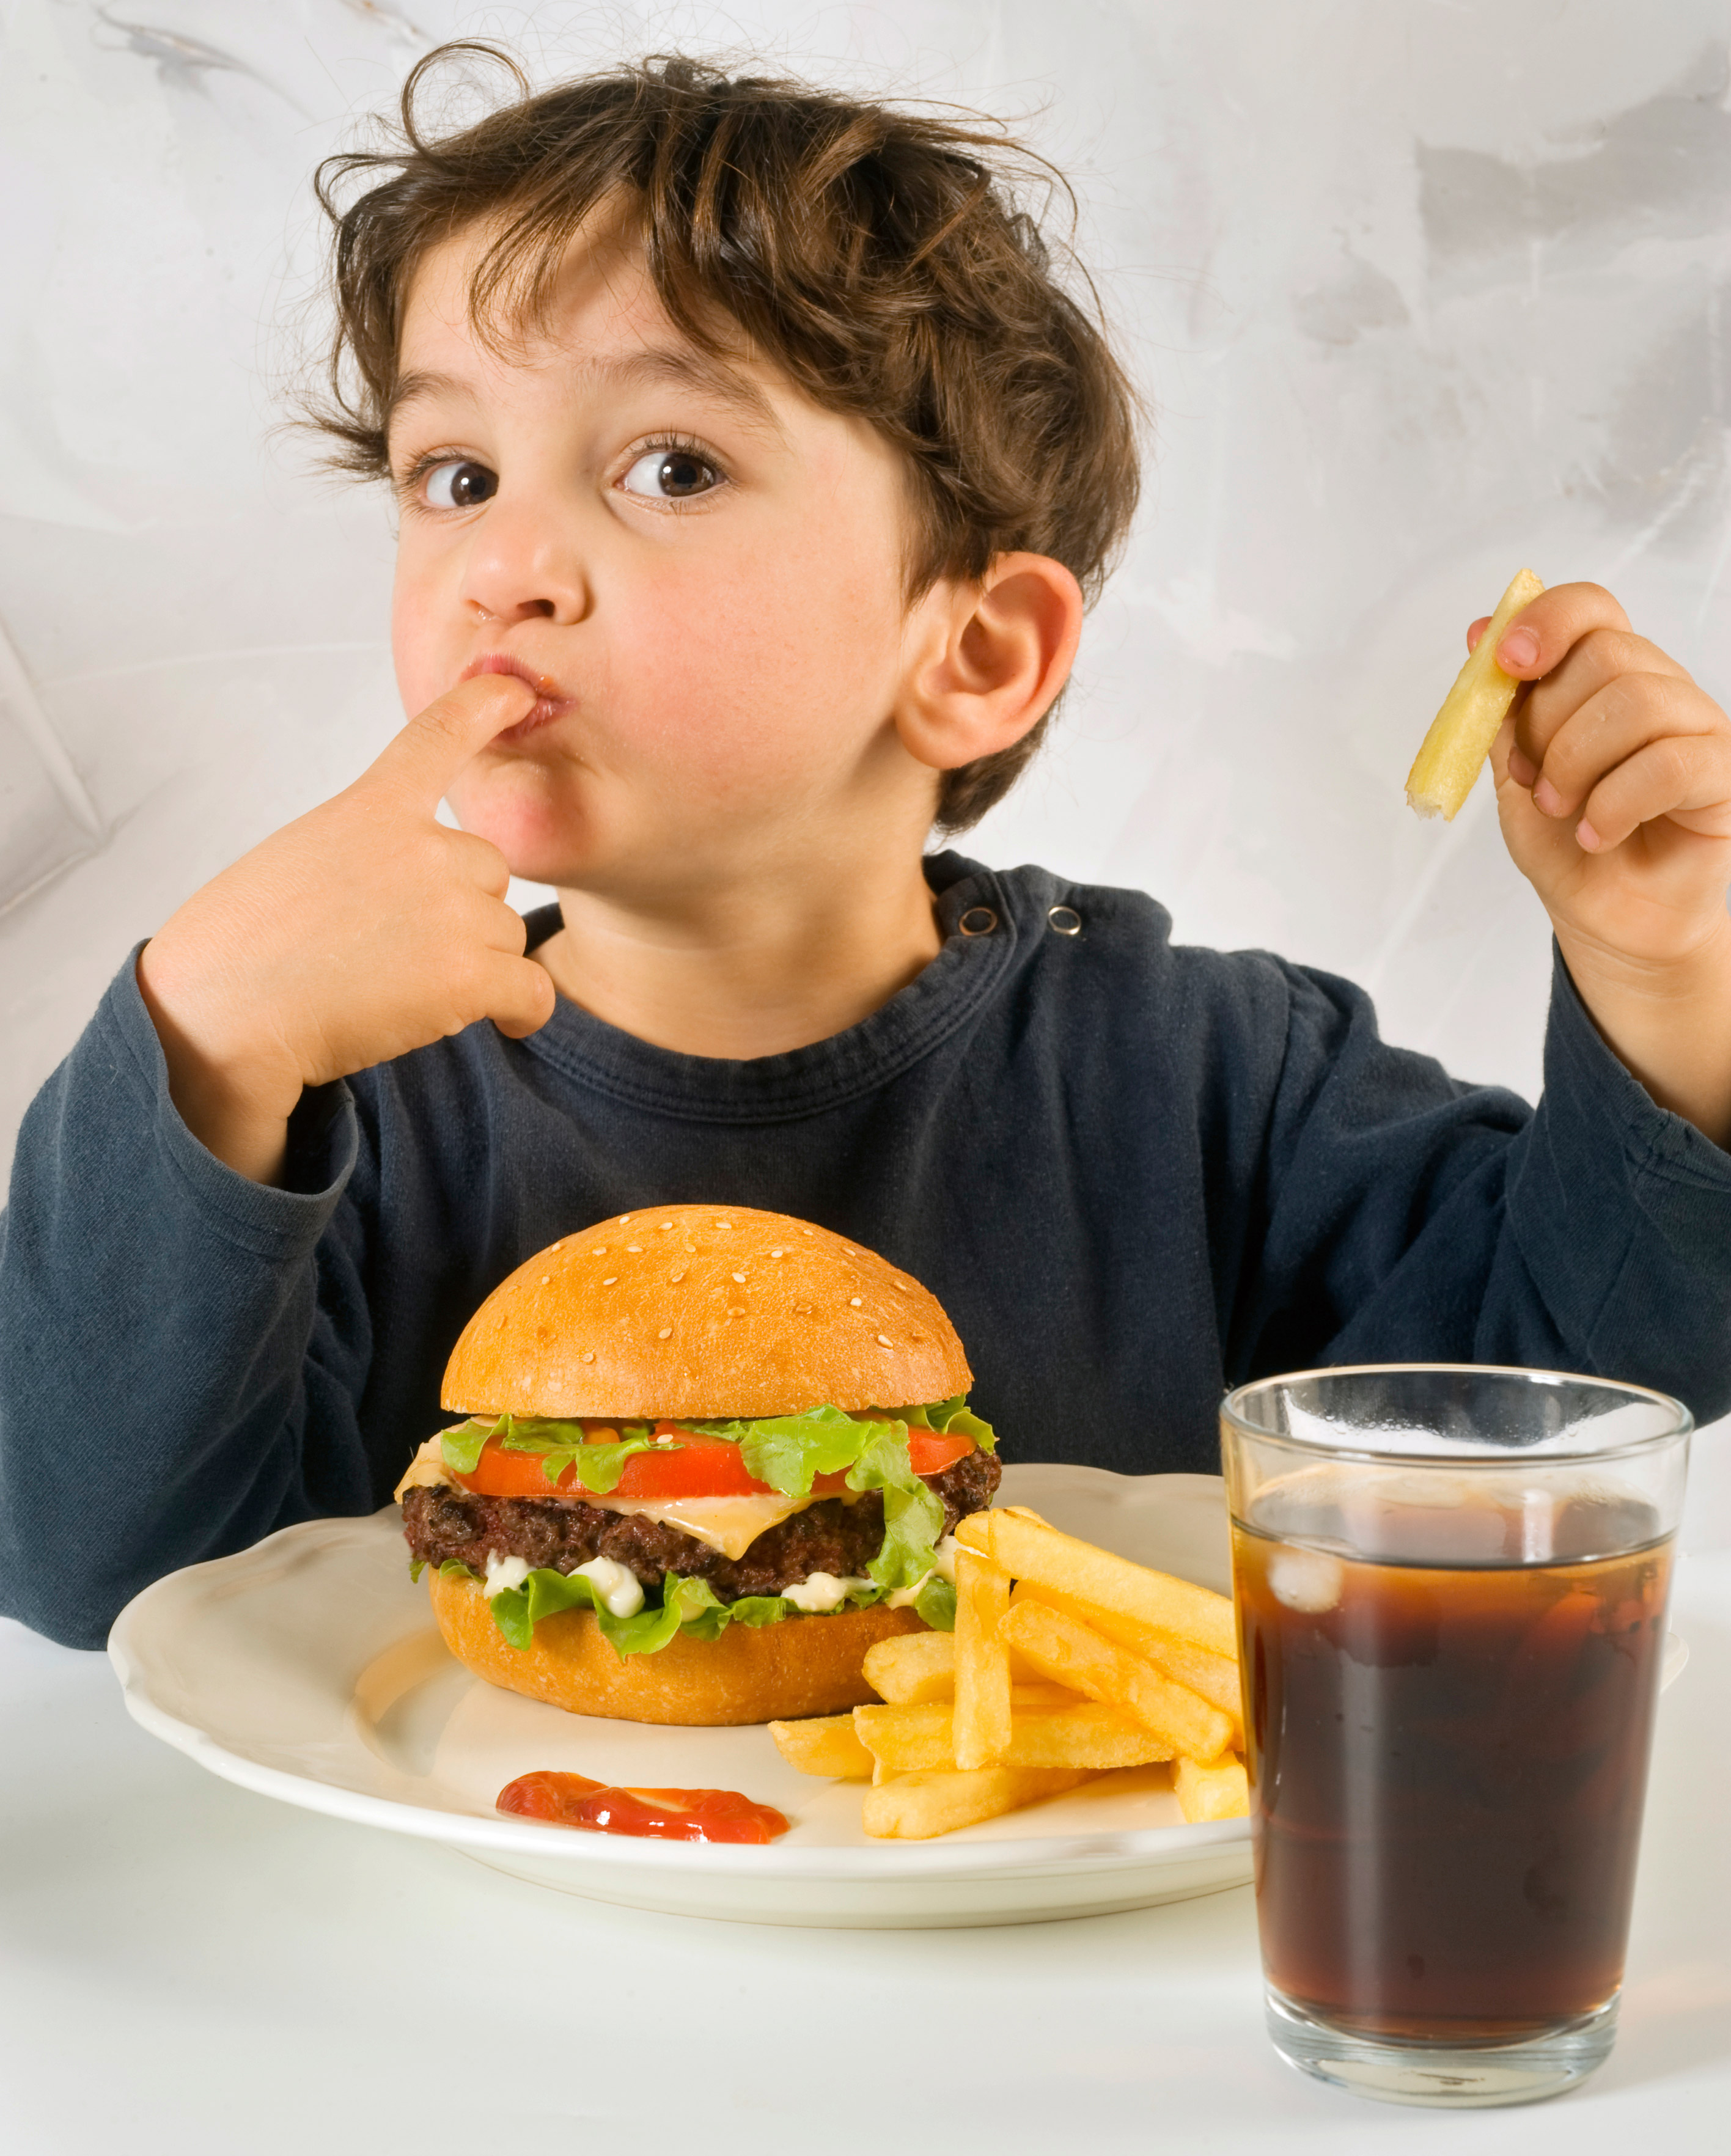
(423, 758)
(478, 861)
(521, 999)
(1629, 714)
(1476, 629)
(1544, 629)
(1681, 777)
(1601, 657)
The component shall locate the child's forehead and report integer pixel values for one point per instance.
(595, 315)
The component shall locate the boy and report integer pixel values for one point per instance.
(753, 471)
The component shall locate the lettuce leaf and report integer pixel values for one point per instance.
(561, 1444)
(787, 1452)
(956, 1416)
(913, 1516)
(461, 1448)
(689, 1605)
(790, 1452)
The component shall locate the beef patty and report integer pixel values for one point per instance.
(837, 1535)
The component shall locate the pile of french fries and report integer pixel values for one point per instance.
(1066, 1664)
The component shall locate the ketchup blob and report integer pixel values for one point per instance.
(651, 1815)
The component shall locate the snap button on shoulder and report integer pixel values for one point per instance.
(978, 921)
(1065, 920)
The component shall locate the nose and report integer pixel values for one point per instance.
(523, 565)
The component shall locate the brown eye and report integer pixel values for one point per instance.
(670, 476)
(460, 484)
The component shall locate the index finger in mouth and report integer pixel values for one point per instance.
(433, 746)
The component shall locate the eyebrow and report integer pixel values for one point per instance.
(653, 366)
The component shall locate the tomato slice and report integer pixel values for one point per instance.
(932, 1450)
(701, 1467)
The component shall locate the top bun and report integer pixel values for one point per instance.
(711, 1311)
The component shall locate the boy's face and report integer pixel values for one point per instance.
(700, 569)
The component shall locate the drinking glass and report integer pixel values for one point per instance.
(1451, 1585)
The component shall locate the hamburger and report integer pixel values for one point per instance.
(709, 1456)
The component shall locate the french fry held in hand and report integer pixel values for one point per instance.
(1074, 1654)
(1028, 1549)
(910, 1739)
(1219, 1790)
(827, 1744)
(1454, 750)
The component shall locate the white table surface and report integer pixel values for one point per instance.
(186, 1967)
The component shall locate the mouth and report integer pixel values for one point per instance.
(550, 702)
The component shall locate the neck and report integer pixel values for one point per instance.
(760, 967)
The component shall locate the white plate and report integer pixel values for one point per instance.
(308, 1669)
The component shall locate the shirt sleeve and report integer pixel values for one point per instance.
(181, 1350)
(1407, 1216)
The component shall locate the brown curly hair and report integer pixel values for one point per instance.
(878, 255)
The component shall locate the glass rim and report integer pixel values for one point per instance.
(1683, 1419)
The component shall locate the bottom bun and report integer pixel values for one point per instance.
(769, 1673)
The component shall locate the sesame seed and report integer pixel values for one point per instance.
(883, 1341)
(778, 1254)
(556, 1246)
(736, 1310)
(902, 1287)
(666, 1224)
(850, 1250)
(665, 1332)
(740, 1277)
(808, 1231)
(853, 1302)
(724, 1224)
(624, 1219)
(676, 1277)
(610, 1279)
(545, 1278)
(635, 1249)
(588, 1354)
(801, 1310)
(600, 1249)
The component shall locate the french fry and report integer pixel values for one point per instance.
(1075, 1654)
(1219, 1790)
(912, 1739)
(912, 1668)
(915, 1807)
(1214, 1677)
(1454, 750)
(906, 1739)
(1028, 1549)
(1090, 1736)
(826, 1744)
(982, 1710)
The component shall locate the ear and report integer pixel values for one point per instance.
(986, 660)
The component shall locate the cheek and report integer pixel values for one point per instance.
(426, 629)
(783, 664)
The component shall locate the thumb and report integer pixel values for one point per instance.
(427, 754)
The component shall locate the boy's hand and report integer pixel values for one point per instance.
(1614, 788)
(361, 931)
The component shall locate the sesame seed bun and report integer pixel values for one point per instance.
(708, 1310)
(775, 1673)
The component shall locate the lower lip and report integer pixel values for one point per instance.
(543, 714)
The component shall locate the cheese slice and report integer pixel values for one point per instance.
(427, 1468)
(730, 1525)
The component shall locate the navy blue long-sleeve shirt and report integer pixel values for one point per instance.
(1132, 1172)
